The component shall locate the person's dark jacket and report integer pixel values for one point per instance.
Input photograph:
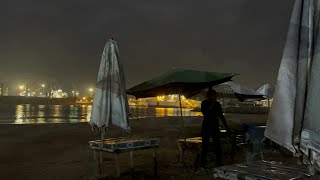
(212, 112)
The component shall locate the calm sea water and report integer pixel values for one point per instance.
(28, 114)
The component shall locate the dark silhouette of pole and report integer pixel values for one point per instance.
(1, 89)
(26, 90)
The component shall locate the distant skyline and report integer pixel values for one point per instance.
(61, 42)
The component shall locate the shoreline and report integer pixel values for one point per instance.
(61, 150)
(230, 117)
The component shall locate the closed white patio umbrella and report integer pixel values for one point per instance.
(110, 105)
(294, 116)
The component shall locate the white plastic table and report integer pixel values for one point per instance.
(121, 145)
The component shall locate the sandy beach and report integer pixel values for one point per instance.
(60, 151)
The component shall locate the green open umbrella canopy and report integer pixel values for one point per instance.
(179, 81)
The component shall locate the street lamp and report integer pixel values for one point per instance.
(21, 89)
(90, 92)
(43, 86)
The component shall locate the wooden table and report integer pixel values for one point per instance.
(189, 144)
(195, 144)
(121, 145)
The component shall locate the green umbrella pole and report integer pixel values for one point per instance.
(181, 114)
(180, 106)
(223, 101)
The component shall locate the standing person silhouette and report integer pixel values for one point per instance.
(212, 112)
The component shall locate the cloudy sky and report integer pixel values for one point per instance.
(61, 41)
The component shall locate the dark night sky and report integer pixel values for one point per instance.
(61, 41)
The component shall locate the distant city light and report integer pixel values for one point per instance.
(43, 85)
(160, 98)
(73, 93)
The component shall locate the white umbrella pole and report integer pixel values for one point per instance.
(101, 152)
(102, 135)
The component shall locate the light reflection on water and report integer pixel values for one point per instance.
(29, 114)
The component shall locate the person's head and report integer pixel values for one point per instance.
(212, 94)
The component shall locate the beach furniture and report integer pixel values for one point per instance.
(110, 107)
(256, 168)
(182, 82)
(194, 145)
(189, 144)
(263, 170)
(293, 120)
(120, 145)
(232, 90)
(254, 137)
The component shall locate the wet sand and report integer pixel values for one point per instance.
(60, 151)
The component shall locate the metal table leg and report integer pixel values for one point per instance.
(97, 167)
(155, 163)
(131, 163)
(101, 163)
(116, 158)
(181, 151)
